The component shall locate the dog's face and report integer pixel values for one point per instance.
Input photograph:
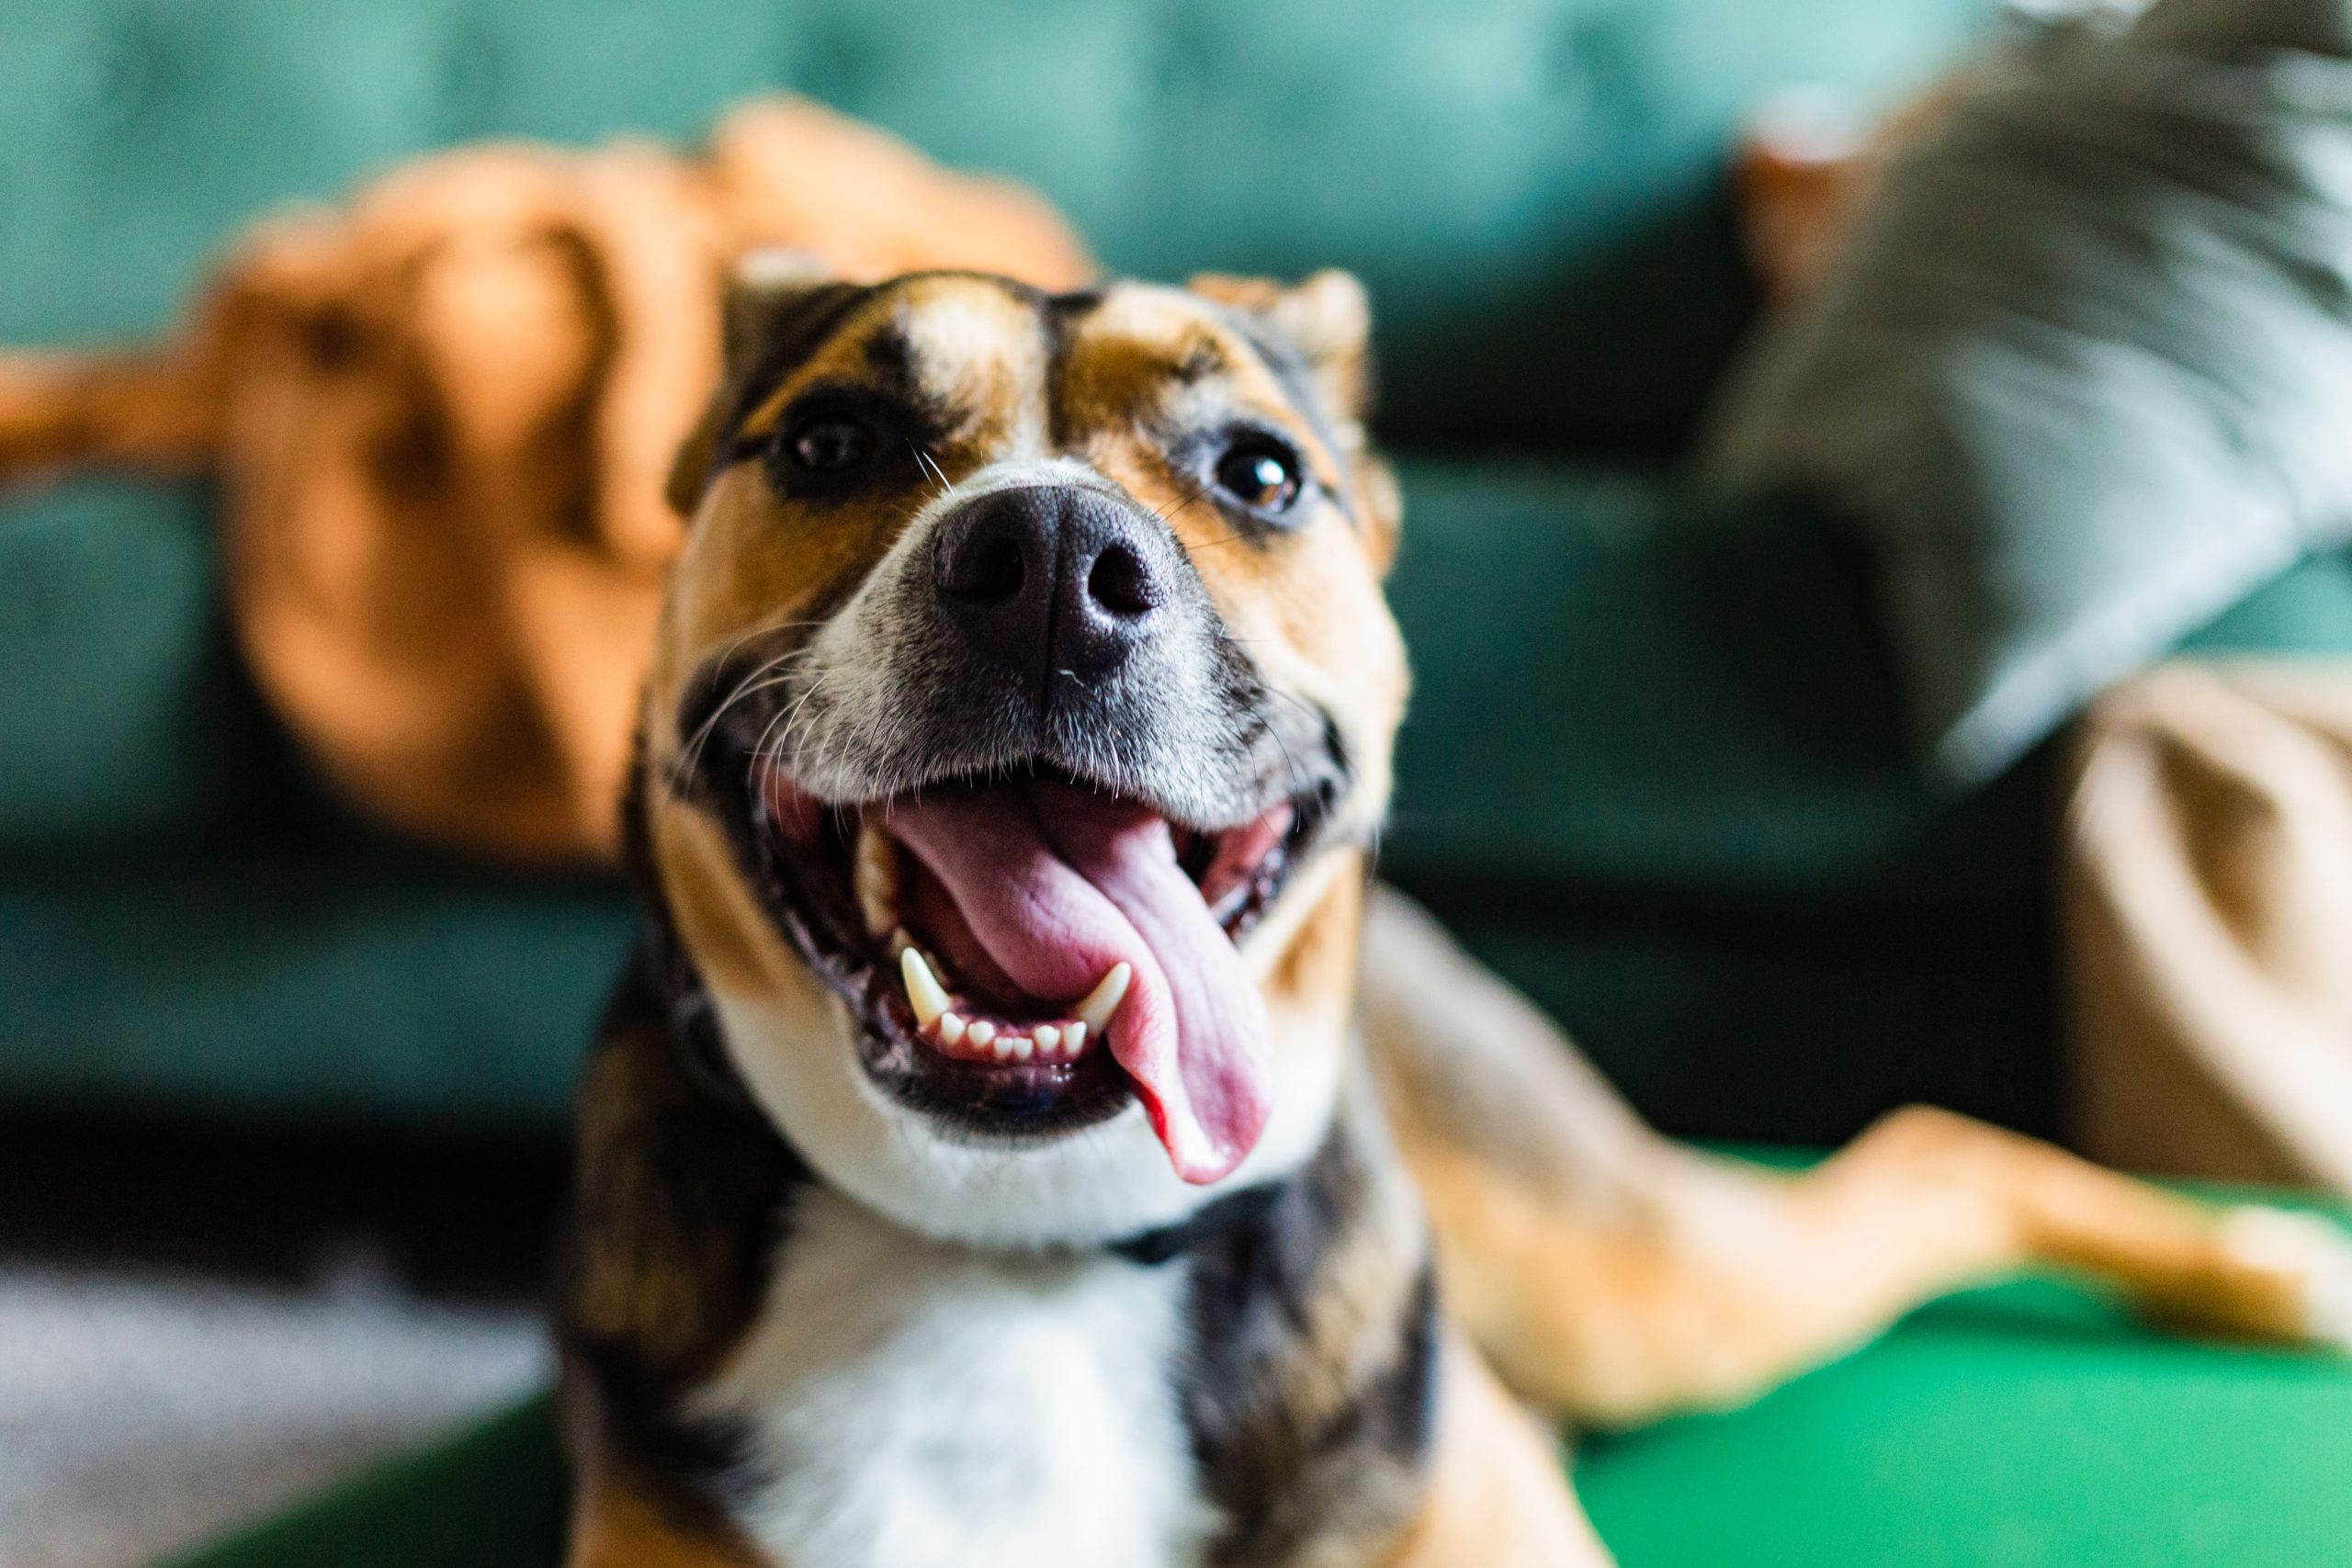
(1020, 722)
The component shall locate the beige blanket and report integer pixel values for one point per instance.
(2208, 869)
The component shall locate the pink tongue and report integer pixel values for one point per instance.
(1060, 885)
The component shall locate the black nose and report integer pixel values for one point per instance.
(1053, 582)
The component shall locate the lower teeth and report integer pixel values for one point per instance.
(981, 1039)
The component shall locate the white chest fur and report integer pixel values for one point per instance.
(922, 1405)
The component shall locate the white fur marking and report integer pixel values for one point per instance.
(924, 1405)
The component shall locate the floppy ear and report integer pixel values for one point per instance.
(766, 290)
(1328, 318)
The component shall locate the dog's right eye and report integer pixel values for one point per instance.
(832, 444)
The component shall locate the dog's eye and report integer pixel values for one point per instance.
(832, 443)
(1258, 474)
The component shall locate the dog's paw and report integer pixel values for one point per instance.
(2287, 1276)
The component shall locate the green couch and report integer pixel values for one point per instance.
(1655, 775)
(1657, 772)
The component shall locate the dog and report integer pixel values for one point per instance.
(1027, 1135)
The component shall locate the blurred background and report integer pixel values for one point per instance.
(284, 1076)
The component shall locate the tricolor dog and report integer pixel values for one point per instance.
(1026, 1138)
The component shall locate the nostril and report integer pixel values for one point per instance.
(987, 572)
(1120, 583)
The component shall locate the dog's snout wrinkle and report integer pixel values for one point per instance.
(1052, 585)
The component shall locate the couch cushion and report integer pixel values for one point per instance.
(318, 976)
(1526, 186)
(1624, 687)
(126, 712)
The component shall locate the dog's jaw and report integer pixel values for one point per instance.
(799, 1046)
(1084, 1188)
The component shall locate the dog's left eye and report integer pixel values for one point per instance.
(1258, 474)
(832, 443)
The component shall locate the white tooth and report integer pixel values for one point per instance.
(930, 1001)
(1016, 1047)
(1103, 1000)
(1048, 1037)
(951, 1028)
(1073, 1038)
(980, 1031)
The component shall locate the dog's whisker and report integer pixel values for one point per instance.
(690, 752)
(1170, 514)
(767, 676)
(924, 456)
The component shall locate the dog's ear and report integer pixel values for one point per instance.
(1328, 319)
(767, 290)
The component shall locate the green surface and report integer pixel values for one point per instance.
(2019, 1427)
(2024, 1426)
(491, 1497)
(1624, 684)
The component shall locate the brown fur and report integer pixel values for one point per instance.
(612, 1528)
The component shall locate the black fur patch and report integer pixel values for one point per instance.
(1286, 1475)
(791, 335)
(681, 1195)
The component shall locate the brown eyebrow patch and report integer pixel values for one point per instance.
(1112, 378)
(1202, 359)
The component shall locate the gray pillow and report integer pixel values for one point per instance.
(2084, 377)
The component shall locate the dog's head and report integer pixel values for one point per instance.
(1018, 728)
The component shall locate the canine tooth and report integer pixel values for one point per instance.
(1048, 1038)
(980, 1031)
(1073, 1038)
(922, 989)
(951, 1028)
(1018, 1048)
(1103, 1000)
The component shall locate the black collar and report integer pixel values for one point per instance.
(1230, 1212)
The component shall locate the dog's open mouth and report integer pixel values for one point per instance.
(1029, 953)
